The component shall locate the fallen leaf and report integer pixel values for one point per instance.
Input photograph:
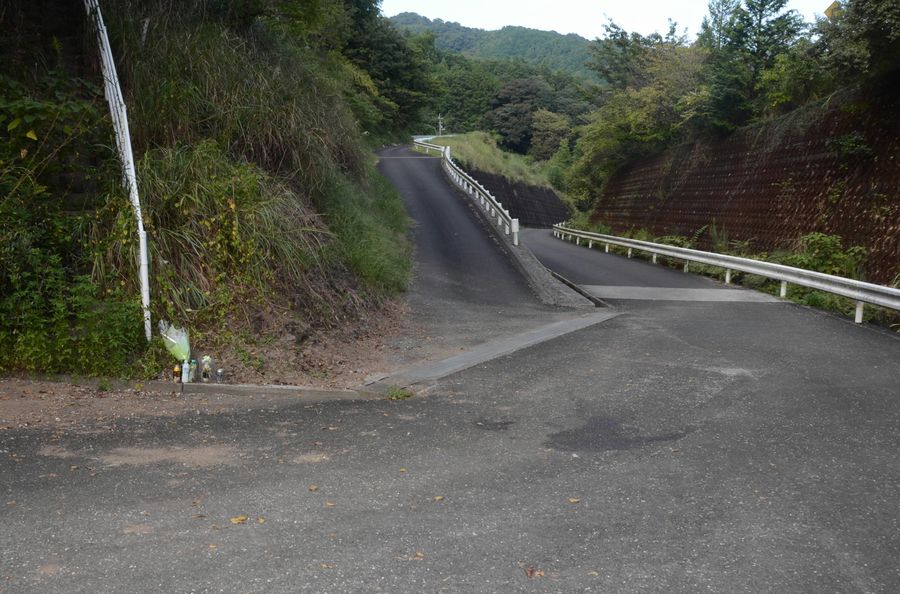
(593, 573)
(241, 519)
(330, 504)
(574, 500)
(402, 470)
(313, 488)
(439, 498)
(532, 572)
(260, 520)
(326, 566)
(419, 555)
(212, 547)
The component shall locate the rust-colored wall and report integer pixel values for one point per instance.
(772, 183)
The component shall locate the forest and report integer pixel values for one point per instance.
(752, 61)
(553, 50)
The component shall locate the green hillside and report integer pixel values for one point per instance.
(251, 125)
(541, 48)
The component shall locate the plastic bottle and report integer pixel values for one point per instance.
(206, 369)
(193, 370)
(185, 372)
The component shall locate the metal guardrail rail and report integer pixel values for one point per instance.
(492, 207)
(859, 291)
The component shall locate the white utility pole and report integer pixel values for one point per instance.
(119, 115)
(440, 125)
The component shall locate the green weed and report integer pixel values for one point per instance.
(395, 393)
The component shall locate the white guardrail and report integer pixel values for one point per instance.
(859, 291)
(492, 207)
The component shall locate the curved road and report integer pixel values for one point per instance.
(613, 278)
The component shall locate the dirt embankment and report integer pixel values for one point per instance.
(833, 167)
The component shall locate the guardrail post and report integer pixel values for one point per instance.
(590, 244)
(515, 231)
(654, 258)
(859, 312)
(686, 267)
(783, 292)
(629, 252)
(728, 276)
(577, 241)
(607, 248)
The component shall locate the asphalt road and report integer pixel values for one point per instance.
(613, 277)
(682, 446)
(455, 257)
(464, 290)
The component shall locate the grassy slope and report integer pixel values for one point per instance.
(259, 195)
(479, 150)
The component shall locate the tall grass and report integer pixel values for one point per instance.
(214, 223)
(259, 94)
(254, 173)
(480, 150)
(370, 225)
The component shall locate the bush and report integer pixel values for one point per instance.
(53, 325)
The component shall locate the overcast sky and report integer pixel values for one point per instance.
(584, 17)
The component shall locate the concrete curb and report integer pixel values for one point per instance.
(300, 392)
(549, 290)
(303, 393)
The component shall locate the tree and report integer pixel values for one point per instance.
(398, 69)
(514, 106)
(468, 88)
(796, 77)
(657, 106)
(755, 35)
(548, 130)
(862, 38)
(620, 57)
(714, 29)
(760, 32)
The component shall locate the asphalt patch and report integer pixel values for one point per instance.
(600, 434)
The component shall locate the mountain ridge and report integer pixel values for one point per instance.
(557, 51)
